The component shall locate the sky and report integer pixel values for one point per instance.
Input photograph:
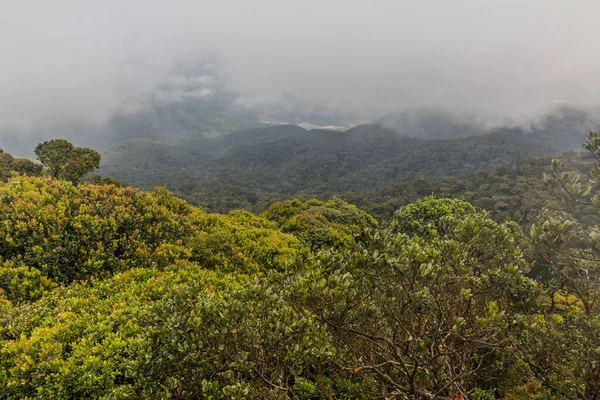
(81, 61)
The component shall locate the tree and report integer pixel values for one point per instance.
(27, 167)
(417, 317)
(65, 161)
(6, 162)
(9, 164)
(54, 155)
(561, 346)
(571, 250)
(320, 224)
(84, 160)
(429, 215)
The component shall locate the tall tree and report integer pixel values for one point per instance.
(65, 161)
(54, 155)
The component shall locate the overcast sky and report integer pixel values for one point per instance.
(80, 59)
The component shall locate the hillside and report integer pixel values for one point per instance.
(250, 169)
(562, 128)
(515, 192)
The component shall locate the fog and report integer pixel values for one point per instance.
(73, 64)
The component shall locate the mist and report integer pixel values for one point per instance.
(69, 67)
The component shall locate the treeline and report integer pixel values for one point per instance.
(113, 292)
(252, 169)
(515, 193)
(24, 166)
(59, 159)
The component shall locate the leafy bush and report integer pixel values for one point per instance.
(183, 332)
(320, 224)
(70, 232)
(21, 284)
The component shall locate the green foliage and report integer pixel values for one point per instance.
(252, 169)
(256, 345)
(347, 322)
(183, 333)
(23, 166)
(26, 167)
(110, 292)
(82, 161)
(416, 318)
(6, 162)
(242, 242)
(320, 224)
(561, 345)
(514, 193)
(70, 232)
(104, 180)
(65, 161)
(54, 155)
(431, 214)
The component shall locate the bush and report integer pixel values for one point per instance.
(183, 332)
(320, 224)
(71, 233)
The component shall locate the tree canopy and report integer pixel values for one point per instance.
(65, 161)
(107, 291)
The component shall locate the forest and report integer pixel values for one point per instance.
(251, 169)
(474, 280)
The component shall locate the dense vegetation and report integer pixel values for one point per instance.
(10, 164)
(112, 292)
(251, 169)
(514, 192)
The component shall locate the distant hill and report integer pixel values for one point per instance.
(563, 128)
(432, 123)
(249, 169)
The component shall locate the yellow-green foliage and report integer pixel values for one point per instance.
(74, 341)
(70, 232)
(19, 283)
(110, 292)
(318, 223)
(184, 332)
(242, 241)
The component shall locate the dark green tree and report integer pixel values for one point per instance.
(55, 155)
(84, 160)
(27, 167)
(422, 318)
(65, 161)
(23, 166)
(6, 162)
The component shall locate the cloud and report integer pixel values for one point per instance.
(176, 88)
(73, 60)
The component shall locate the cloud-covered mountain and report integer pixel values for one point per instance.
(432, 123)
